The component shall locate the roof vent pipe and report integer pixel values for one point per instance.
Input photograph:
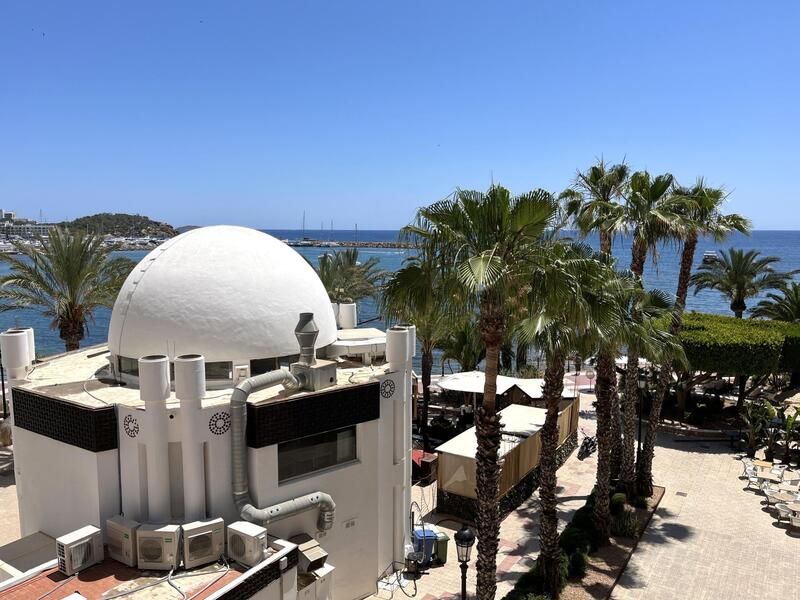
(412, 339)
(154, 391)
(397, 347)
(306, 333)
(16, 356)
(190, 389)
(31, 342)
(241, 484)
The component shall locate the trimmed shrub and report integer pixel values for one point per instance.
(578, 562)
(584, 519)
(639, 502)
(625, 524)
(574, 539)
(618, 501)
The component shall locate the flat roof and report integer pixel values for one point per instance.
(518, 421)
(83, 377)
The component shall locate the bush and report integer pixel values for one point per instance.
(618, 501)
(639, 502)
(625, 524)
(584, 519)
(578, 562)
(574, 539)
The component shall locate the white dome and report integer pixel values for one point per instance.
(228, 293)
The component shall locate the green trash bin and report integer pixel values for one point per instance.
(442, 540)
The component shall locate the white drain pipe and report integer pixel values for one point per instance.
(190, 389)
(154, 391)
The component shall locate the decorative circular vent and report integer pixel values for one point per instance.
(131, 426)
(387, 388)
(219, 423)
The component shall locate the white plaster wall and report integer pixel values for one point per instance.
(62, 487)
(354, 489)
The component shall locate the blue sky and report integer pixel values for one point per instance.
(359, 112)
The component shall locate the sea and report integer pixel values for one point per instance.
(660, 273)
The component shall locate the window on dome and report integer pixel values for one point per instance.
(128, 366)
(219, 370)
(316, 452)
(259, 366)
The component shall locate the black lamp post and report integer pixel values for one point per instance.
(642, 388)
(464, 539)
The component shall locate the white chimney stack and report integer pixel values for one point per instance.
(154, 391)
(348, 316)
(31, 342)
(190, 389)
(16, 355)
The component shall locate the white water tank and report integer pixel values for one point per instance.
(16, 356)
(31, 342)
(154, 391)
(348, 316)
(190, 389)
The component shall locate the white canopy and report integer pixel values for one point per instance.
(473, 381)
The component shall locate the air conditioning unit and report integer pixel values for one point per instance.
(157, 546)
(247, 543)
(79, 549)
(203, 542)
(121, 539)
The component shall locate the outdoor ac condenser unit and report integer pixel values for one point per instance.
(79, 549)
(247, 543)
(203, 542)
(121, 539)
(157, 546)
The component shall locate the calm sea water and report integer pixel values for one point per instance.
(663, 274)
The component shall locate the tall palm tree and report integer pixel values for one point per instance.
(654, 214)
(420, 293)
(740, 275)
(346, 279)
(565, 304)
(780, 307)
(703, 217)
(66, 279)
(488, 240)
(593, 203)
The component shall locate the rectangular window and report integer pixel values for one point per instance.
(262, 365)
(219, 370)
(316, 452)
(128, 366)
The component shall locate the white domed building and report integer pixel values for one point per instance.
(225, 391)
(232, 294)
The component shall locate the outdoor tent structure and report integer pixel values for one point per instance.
(519, 453)
(510, 390)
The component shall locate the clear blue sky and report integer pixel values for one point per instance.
(249, 113)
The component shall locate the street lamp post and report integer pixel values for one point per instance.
(642, 388)
(464, 539)
(590, 376)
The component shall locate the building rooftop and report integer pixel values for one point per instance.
(84, 377)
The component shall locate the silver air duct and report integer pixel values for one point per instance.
(306, 333)
(241, 484)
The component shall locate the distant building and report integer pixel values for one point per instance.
(25, 228)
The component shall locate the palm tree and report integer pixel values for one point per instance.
(740, 275)
(565, 304)
(464, 345)
(654, 214)
(783, 307)
(593, 204)
(419, 293)
(67, 279)
(346, 279)
(488, 240)
(702, 216)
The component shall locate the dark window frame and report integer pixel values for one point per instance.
(322, 459)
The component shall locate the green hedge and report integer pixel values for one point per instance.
(730, 346)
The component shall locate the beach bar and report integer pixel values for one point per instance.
(520, 450)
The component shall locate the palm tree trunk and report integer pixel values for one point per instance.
(550, 552)
(427, 368)
(627, 475)
(487, 468)
(616, 434)
(644, 475)
(605, 387)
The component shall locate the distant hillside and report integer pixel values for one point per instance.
(121, 224)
